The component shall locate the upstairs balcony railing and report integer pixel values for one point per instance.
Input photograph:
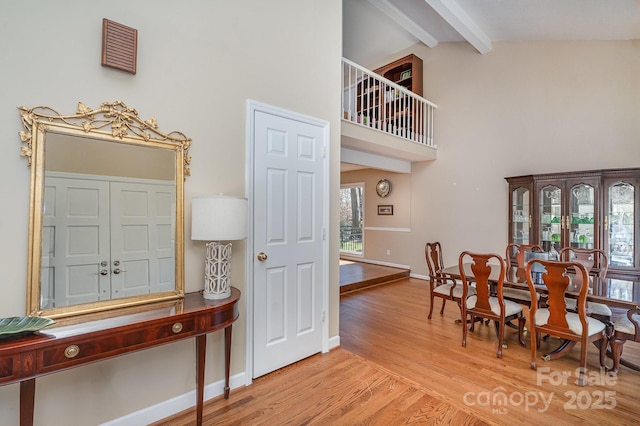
(373, 101)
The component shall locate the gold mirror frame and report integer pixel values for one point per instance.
(112, 122)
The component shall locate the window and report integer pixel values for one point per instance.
(351, 218)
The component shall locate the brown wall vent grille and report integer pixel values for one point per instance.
(119, 46)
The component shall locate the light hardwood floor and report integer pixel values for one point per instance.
(395, 367)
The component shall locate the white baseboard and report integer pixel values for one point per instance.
(419, 276)
(175, 405)
(334, 342)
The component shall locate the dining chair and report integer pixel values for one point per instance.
(626, 327)
(441, 285)
(594, 261)
(555, 320)
(516, 252)
(487, 302)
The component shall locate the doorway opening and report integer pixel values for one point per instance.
(352, 219)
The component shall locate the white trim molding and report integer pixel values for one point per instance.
(380, 228)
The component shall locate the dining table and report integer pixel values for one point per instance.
(515, 277)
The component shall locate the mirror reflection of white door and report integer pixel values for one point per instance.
(288, 220)
(141, 239)
(75, 242)
(105, 239)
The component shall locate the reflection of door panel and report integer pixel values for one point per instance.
(85, 259)
(141, 244)
(76, 229)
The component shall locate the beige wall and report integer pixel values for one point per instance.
(527, 107)
(384, 233)
(198, 63)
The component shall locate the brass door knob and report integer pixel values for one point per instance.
(262, 257)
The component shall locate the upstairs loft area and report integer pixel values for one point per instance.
(384, 113)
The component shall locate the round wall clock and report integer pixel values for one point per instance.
(383, 188)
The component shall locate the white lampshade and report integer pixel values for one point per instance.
(218, 218)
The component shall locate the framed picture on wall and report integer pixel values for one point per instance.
(385, 209)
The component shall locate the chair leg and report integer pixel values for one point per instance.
(500, 330)
(616, 353)
(443, 303)
(521, 322)
(533, 334)
(604, 343)
(582, 380)
(431, 306)
(464, 331)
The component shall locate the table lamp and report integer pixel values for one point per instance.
(217, 218)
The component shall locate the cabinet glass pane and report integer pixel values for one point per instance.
(521, 215)
(581, 218)
(621, 224)
(550, 218)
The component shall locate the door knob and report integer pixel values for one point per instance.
(117, 271)
(262, 257)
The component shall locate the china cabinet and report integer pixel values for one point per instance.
(587, 209)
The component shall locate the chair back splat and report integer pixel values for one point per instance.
(556, 320)
(515, 253)
(487, 270)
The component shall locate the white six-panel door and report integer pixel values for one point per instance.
(288, 229)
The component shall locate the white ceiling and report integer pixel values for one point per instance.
(375, 29)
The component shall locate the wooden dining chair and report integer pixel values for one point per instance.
(596, 263)
(626, 327)
(441, 285)
(515, 253)
(555, 320)
(487, 303)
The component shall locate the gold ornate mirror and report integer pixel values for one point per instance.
(106, 223)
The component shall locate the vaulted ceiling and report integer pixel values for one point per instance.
(375, 29)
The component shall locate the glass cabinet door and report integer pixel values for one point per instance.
(521, 215)
(551, 220)
(620, 224)
(581, 221)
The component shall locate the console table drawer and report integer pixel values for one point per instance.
(83, 350)
(9, 369)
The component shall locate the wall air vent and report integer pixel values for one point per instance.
(119, 46)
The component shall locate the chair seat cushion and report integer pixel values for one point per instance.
(514, 293)
(445, 289)
(593, 307)
(623, 324)
(510, 308)
(573, 320)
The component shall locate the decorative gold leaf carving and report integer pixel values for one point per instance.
(124, 122)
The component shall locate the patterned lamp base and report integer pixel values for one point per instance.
(217, 271)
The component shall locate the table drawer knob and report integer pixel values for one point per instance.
(177, 327)
(71, 351)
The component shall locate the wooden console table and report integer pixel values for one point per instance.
(58, 348)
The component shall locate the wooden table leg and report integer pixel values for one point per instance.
(201, 352)
(227, 360)
(27, 401)
(560, 350)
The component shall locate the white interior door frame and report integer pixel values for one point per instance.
(253, 107)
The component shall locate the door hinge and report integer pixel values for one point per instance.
(324, 316)
(324, 234)
(324, 151)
